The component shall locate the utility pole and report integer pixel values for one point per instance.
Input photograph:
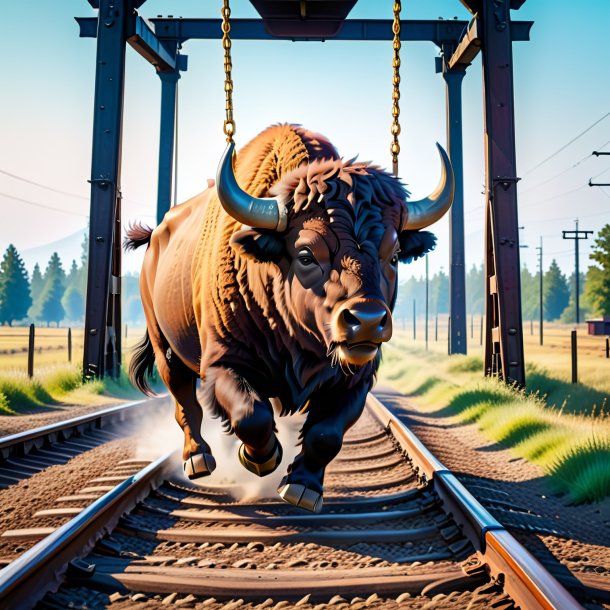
(577, 235)
(539, 248)
(597, 153)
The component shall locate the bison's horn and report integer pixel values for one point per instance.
(260, 213)
(426, 211)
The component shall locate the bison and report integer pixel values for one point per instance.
(275, 287)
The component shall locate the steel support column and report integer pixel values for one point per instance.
(102, 318)
(504, 333)
(457, 278)
(169, 81)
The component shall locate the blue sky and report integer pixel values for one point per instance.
(339, 89)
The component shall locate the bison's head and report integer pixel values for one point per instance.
(336, 230)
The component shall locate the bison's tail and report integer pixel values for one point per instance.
(137, 235)
(141, 365)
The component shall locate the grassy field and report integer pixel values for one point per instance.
(553, 356)
(559, 426)
(56, 380)
(51, 347)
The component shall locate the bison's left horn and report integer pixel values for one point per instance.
(426, 211)
(260, 213)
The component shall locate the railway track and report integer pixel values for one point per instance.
(398, 529)
(26, 453)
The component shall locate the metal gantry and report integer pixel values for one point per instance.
(504, 329)
(159, 40)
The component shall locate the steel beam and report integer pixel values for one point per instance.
(144, 41)
(169, 81)
(438, 31)
(468, 48)
(457, 278)
(504, 336)
(102, 318)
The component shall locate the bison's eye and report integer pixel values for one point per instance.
(306, 258)
(394, 260)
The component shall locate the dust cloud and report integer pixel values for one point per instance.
(160, 434)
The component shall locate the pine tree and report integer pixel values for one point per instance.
(72, 275)
(73, 304)
(597, 286)
(81, 282)
(438, 293)
(569, 313)
(475, 290)
(53, 283)
(556, 292)
(51, 308)
(530, 294)
(15, 298)
(37, 285)
(54, 271)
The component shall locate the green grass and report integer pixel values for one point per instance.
(22, 393)
(559, 426)
(584, 470)
(573, 398)
(466, 364)
(59, 385)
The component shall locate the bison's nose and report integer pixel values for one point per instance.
(364, 320)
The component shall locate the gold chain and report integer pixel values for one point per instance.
(229, 124)
(395, 130)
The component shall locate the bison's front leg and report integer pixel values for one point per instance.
(330, 415)
(252, 421)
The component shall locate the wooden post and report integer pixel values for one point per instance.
(31, 353)
(69, 345)
(481, 339)
(607, 347)
(532, 328)
(574, 358)
(125, 331)
(436, 328)
(449, 335)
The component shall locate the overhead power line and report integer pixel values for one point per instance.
(565, 171)
(42, 186)
(42, 205)
(59, 191)
(582, 133)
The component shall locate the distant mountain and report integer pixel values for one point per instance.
(68, 248)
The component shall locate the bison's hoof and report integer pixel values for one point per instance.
(264, 468)
(301, 496)
(199, 465)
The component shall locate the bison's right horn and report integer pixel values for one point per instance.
(259, 213)
(423, 213)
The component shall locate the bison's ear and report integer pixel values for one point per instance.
(414, 244)
(261, 246)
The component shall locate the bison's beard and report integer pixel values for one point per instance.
(350, 358)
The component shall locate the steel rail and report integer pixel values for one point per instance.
(40, 569)
(524, 578)
(22, 443)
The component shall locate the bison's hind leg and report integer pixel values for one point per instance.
(251, 419)
(182, 383)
